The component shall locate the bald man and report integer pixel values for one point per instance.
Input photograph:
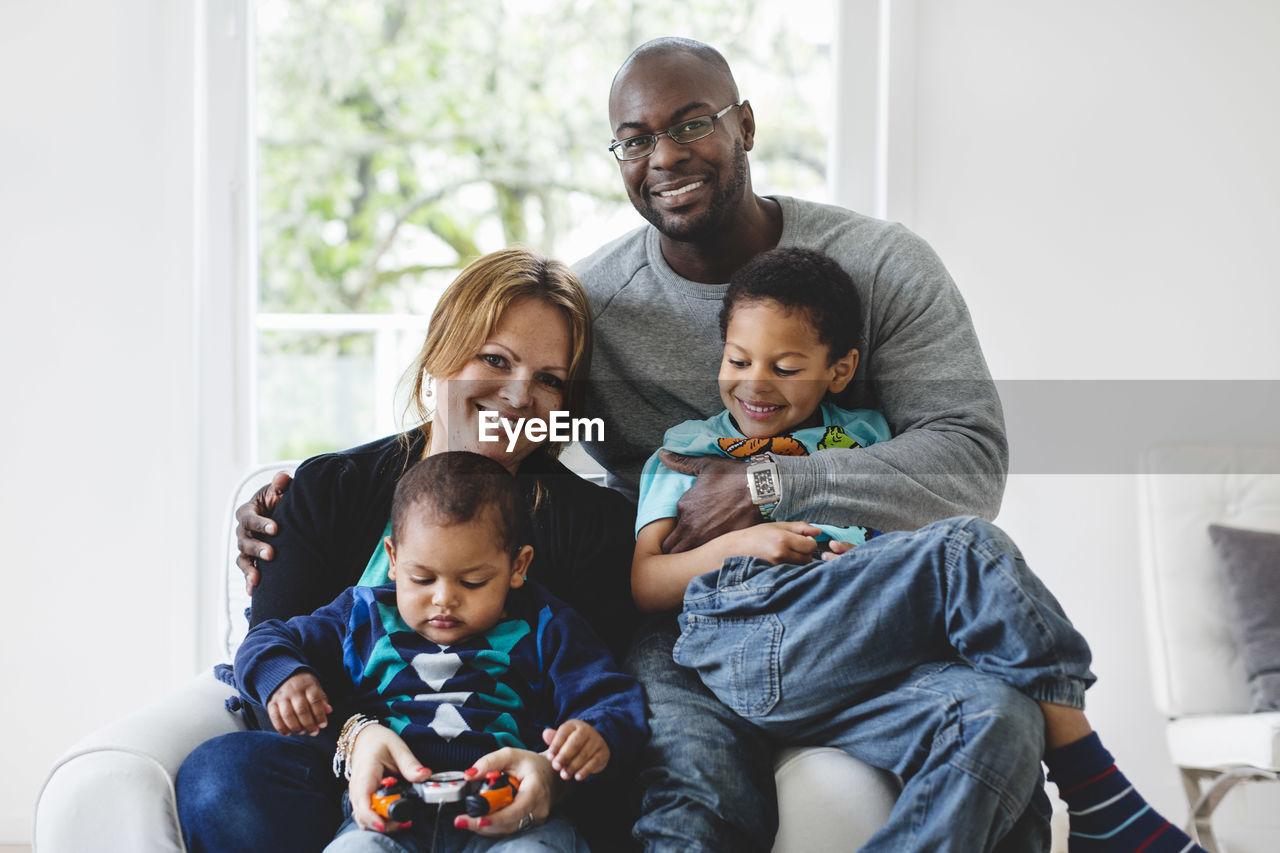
(967, 747)
(657, 292)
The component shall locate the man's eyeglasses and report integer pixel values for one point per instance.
(689, 130)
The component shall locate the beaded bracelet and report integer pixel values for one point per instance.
(347, 740)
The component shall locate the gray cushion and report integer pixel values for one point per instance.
(1250, 563)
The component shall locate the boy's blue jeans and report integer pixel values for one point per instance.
(861, 653)
(786, 645)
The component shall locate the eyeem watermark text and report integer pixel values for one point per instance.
(559, 427)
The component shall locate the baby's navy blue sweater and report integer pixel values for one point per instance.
(538, 667)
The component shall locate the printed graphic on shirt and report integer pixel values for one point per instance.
(745, 448)
(836, 437)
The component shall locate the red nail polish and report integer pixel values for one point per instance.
(406, 824)
(470, 772)
(460, 822)
(484, 821)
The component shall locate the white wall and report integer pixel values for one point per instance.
(1101, 179)
(97, 323)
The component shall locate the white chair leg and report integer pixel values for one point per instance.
(1203, 804)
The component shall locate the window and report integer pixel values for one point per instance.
(398, 139)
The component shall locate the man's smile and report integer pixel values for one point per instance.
(676, 192)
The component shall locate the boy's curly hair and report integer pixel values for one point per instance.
(457, 487)
(801, 280)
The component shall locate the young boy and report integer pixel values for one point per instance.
(808, 650)
(460, 655)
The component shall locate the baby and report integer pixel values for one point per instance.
(461, 655)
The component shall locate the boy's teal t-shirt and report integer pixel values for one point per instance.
(378, 571)
(661, 488)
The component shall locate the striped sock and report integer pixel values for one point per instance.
(1107, 814)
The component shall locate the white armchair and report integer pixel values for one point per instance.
(113, 791)
(118, 783)
(1197, 672)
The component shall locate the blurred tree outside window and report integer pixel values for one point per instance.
(397, 140)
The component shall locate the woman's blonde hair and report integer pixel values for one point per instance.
(468, 313)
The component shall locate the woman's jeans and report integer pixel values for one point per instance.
(259, 790)
(254, 790)
(435, 833)
(911, 652)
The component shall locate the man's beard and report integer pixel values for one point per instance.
(723, 199)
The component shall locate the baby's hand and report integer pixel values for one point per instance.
(576, 750)
(299, 705)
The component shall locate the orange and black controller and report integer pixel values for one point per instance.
(496, 790)
(399, 800)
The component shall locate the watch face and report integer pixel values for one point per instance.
(762, 482)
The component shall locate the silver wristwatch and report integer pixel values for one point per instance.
(764, 484)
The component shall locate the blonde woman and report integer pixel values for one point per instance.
(511, 335)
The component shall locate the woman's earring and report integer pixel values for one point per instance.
(431, 388)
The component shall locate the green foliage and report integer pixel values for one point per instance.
(399, 139)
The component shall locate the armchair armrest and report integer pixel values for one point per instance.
(828, 800)
(113, 791)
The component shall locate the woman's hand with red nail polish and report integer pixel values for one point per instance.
(540, 788)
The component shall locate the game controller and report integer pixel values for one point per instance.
(399, 800)
(496, 790)
(446, 787)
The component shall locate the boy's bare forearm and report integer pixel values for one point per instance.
(658, 580)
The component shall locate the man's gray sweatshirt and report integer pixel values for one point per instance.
(657, 353)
